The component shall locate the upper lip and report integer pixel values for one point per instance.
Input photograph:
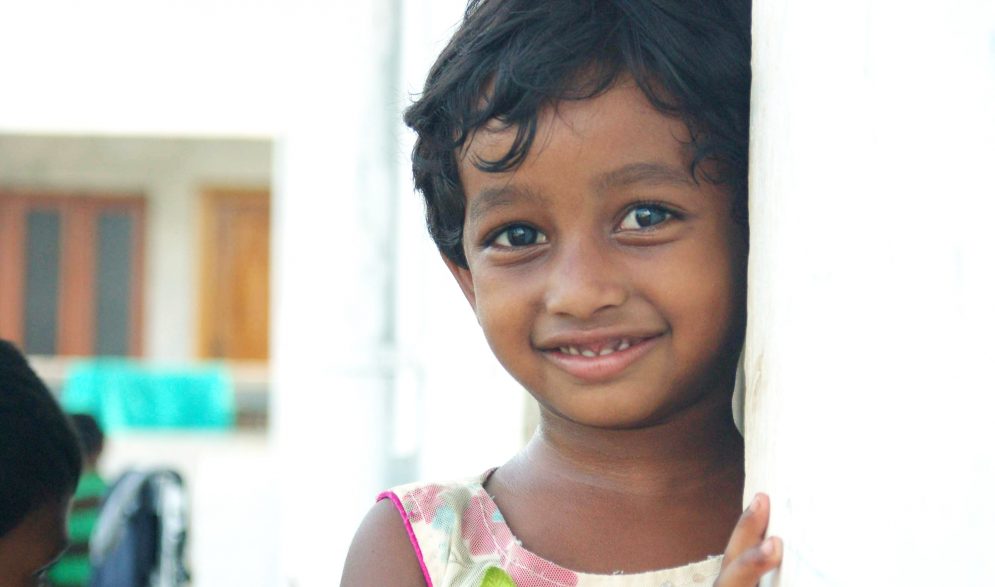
(584, 338)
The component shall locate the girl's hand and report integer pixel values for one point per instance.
(748, 555)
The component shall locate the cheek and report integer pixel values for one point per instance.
(497, 308)
(707, 294)
(727, 303)
(505, 308)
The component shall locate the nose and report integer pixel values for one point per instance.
(584, 280)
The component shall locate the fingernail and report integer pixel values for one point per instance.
(767, 547)
(755, 504)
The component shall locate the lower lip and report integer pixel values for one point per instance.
(601, 367)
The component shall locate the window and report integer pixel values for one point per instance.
(71, 272)
(234, 270)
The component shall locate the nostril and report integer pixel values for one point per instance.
(584, 299)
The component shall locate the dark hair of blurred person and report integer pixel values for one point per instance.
(40, 465)
(74, 569)
(91, 437)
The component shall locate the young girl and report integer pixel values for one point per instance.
(584, 168)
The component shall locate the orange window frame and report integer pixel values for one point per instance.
(76, 321)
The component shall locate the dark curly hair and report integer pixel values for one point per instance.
(91, 437)
(511, 58)
(40, 453)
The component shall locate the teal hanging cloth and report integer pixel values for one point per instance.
(123, 394)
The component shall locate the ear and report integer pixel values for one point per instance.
(464, 278)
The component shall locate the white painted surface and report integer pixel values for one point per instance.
(333, 345)
(871, 286)
(190, 67)
(462, 391)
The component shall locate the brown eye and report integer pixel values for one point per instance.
(644, 216)
(519, 235)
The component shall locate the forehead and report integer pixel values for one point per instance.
(612, 130)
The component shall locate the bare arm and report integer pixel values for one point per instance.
(381, 553)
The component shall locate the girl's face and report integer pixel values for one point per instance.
(607, 281)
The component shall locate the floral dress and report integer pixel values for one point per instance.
(461, 540)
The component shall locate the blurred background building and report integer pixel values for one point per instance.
(214, 199)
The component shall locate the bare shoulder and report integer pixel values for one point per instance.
(381, 553)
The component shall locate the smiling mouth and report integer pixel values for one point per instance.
(599, 350)
(603, 360)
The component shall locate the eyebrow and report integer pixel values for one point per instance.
(653, 173)
(491, 198)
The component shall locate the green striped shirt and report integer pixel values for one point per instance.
(73, 570)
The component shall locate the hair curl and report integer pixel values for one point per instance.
(511, 58)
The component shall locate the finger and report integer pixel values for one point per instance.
(746, 569)
(749, 530)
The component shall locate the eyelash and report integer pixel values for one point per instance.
(667, 213)
(491, 240)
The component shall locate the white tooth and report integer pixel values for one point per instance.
(588, 353)
(606, 351)
(623, 345)
(564, 350)
(573, 350)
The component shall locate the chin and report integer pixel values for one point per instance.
(612, 410)
(614, 416)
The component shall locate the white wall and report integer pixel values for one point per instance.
(171, 173)
(332, 346)
(183, 68)
(869, 346)
(366, 322)
(446, 369)
(379, 361)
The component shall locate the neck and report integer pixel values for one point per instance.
(689, 450)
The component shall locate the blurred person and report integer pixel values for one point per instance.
(74, 570)
(40, 465)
